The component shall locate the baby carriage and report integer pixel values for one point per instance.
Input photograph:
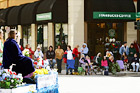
(70, 64)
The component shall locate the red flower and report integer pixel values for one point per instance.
(0, 64)
(11, 72)
(14, 73)
(5, 78)
(35, 63)
(42, 62)
(17, 78)
(8, 70)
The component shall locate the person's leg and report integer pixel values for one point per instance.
(60, 65)
(50, 63)
(133, 65)
(137, 67)
(76, 64)
(66, 69)
(71, 71)
(53, 63)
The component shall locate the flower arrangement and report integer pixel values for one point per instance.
(9, 79)
(26, 52)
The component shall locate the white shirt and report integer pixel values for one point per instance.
(69, 55)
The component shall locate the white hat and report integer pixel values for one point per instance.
(39, 47)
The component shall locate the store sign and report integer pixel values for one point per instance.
(44, 16)
(114, 15)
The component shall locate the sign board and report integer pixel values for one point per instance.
(114, 15)
(44, 16)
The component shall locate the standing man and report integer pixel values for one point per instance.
(76, 53)
(124, 49)
(137, 47)
(63, 45)
(58, 55)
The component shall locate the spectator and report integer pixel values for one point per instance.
(132, 51)
(98, 59)
(124, 49)
(104, 63)
(38, 53)
(85, 63)
(135, 62)
(84, 50)
(1, 46)
(30, 50)
(63, 45)
(76, 53)
(59, 53)
(137, 46)
(68, 55)
(50, 55)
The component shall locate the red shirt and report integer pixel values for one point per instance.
(137, 46)
(75, 52)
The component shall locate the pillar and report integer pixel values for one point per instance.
(50, 34)
(75, 22)
(33, 36)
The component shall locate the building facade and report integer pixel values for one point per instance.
(76, 24)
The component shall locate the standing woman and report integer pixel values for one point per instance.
(68, 55)
(1, 45)
(58, 55)
(76, 53)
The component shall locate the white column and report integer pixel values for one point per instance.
(75, 22)
(45, 35)
(50, 34)
(131, 32)
(33, 30)
(20, 30)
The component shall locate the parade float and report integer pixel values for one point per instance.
(46, 80)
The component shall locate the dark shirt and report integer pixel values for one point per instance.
(135, 59)
(64, 46)
(50, 54)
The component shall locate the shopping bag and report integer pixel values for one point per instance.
(120, 62)
(70, 64)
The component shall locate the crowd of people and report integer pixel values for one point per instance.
(104, 63)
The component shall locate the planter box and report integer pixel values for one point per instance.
(22, 89)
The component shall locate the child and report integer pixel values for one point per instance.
(135, 62)
(125, 62)
(104, 63)
(84, 63)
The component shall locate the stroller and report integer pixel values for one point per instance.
(96, 68)
(70, 65)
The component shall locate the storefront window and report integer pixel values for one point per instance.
(42, 37)
(61, 33)
(104, 36)
(26, 35)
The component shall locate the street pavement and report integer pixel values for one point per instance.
(98, 83)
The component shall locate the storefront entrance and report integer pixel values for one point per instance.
(104, 36)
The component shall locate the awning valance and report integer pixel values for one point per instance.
(52, 11)
(13, 17)
(109, 10)
(28, 13)
(3, 16)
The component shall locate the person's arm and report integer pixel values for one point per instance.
(1, 49)
(47, 55)
(53, 55)
(81, 61)
(120, 51)
(36, 54)
(42, 55)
